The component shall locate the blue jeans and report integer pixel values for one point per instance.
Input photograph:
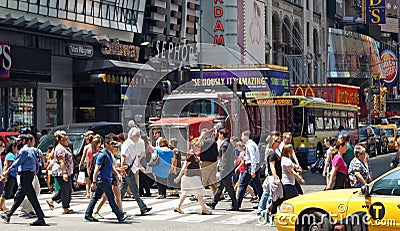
(262, 205)
(131, 182)
(103, 186)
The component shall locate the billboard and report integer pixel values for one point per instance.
(390, 67)
(260, 82)
(254, 42)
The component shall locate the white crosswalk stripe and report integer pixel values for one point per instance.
(162, 210)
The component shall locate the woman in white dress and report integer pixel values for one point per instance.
(190, 176)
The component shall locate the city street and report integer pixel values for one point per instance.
(162, 216)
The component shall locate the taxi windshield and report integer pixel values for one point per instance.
(387, 185)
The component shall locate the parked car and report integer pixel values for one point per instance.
(367, 140)
(76, 135)
(5, 137)
(381, 141)
(391, 133)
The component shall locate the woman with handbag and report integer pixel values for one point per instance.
(190, 177)
(63, 168)
(163, 168)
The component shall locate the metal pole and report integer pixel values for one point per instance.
(201, 40)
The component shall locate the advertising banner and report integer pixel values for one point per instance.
(254, 32)
(390, 67)
(375, 11)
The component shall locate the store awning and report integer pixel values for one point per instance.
(111, 65)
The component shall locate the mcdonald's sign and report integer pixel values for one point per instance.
(334, 93)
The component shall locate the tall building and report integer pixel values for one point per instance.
(296, 33)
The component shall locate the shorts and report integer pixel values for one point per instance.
(235, 177)
(114, 181)
(241, 175)
(1, 187)
(10, 188)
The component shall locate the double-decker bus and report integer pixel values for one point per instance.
(309, 120)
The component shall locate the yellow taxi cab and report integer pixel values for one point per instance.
(375, 206)
(391, 133)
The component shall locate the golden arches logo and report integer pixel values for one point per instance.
(304, 93)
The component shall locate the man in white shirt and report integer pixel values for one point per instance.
(131, 151)
(252, 159)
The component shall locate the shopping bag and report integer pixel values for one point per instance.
(81, 178)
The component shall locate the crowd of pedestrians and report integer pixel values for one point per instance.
(117, 166)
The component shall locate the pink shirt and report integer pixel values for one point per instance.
(89, 154)
(339, 163)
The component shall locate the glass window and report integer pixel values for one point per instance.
(53, 108)
(310, 124)
(352, 123)
(21, 107)
(319, 123)
(388, 185)
(298, 121)
(328, 123)
(344, 123)
(336, 123)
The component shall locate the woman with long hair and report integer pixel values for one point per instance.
(62, 170)
(190, 177)
(338, 174)
(86, 160)
(289, 175)
(10, 187)
(162, 170)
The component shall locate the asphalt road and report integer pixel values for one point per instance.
(162, 216)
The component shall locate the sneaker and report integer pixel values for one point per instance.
(146, 210)
(98, 216)
(91, 219)
(254, 200)
(39, 222)
(232, 209)
(31, 215)
(160, 197)
(193, 198)
(211, 204)
(123, 218)
(5, 218)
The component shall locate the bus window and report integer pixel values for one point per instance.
(328, 119)
(310, 123)
(319, 123)
(297, 121)
(336, 123)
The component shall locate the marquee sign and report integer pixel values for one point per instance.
(374, 11)
(390, 67)
(218, 28)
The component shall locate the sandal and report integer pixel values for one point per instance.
(69, 211)
(50, 205)
(206, 212)
(178, 210)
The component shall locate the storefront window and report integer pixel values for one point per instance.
(21, 101)
(53, 115)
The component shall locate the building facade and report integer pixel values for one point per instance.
(49, 49)
(296, 36)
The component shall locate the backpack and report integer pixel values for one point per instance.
(92, 167)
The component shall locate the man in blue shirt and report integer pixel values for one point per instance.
(26, 163)
(101, 181)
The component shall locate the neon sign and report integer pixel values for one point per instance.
(218, 13)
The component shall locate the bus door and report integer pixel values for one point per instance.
(310, 135)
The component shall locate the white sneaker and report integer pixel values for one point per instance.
(98, 216)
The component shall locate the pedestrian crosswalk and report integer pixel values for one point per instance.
(162, 210)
